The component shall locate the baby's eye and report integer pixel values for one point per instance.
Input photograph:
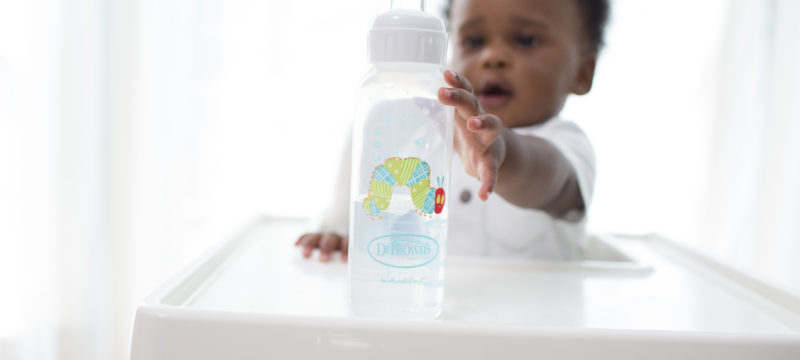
(472, 42)
(527, 40)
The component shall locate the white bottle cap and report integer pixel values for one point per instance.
(409, 36)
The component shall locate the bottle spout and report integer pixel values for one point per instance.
(407, 34)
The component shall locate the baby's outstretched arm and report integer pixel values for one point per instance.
(527, 171)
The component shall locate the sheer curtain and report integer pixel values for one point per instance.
(134, 134)
(694, 117)
(754, 194)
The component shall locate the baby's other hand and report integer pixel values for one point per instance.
(478, 136)
(326, 242)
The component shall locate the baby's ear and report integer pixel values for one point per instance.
(585, 75)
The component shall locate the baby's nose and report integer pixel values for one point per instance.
(495, 56)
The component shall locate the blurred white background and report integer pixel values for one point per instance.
(135, 134)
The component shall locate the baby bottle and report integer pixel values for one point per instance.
(402, 143)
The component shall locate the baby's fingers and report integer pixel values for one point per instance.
(486, 128)
(309, 242)
(487, 173)
(345, 244)
(303, 238)
(300, 239)
(465, 102)
(457, 80)
(328, 244)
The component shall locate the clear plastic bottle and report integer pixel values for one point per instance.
(402, 145)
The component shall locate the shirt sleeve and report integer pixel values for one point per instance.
(568, 138)
(335, 216)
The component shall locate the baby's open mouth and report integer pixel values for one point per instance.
(493, 94)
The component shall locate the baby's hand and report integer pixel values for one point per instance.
(326, 242)
(477, 137)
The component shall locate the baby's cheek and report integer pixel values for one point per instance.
(541, 102)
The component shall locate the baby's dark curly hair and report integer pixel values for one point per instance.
(594, 14)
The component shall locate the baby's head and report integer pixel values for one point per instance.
(524, 57)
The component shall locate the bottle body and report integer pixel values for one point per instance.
(402, 147)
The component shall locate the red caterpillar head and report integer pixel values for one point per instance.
(438, 205)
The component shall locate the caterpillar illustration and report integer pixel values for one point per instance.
(411, 172)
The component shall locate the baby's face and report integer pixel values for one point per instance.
(523, 57)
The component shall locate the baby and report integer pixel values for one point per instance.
(515, 63)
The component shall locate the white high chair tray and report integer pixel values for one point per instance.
(255, 297)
